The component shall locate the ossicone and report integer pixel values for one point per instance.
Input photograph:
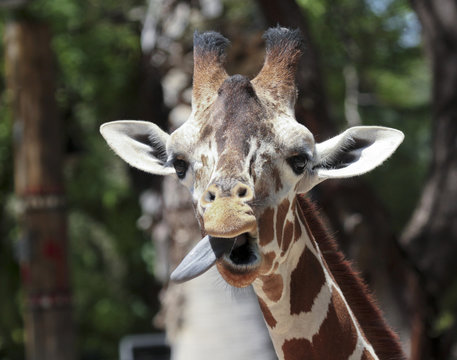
(283, 40)
(209, 72)
(283, 50)
(210, 43)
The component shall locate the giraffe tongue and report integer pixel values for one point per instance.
(201, 258)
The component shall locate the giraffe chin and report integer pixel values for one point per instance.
(240, 265)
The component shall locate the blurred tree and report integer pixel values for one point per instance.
(431, 235)
(98, 51)
(39, 186)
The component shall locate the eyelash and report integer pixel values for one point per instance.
(298, 163)
(181, 167)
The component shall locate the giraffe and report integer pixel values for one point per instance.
(248, 163)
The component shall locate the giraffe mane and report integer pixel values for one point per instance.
(384, 341)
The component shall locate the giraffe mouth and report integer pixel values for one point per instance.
(239, 255)
(244, 254)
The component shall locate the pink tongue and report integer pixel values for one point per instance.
(201, 258)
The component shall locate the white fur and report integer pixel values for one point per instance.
(384, 142)
(120, 136)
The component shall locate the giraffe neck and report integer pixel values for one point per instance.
(304, 307)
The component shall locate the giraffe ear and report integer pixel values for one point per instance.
(356, 151)
(141, 144)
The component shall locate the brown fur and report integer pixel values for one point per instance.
(366, 356)
(209, 73)
(273, 286)
(308, 271)
(384, 341)
(277, 179)
(266, 230)
(287, 236)
(297, 228)
(283, 208)
(268, 316)
(267, 263)
(234, 276)
(326, 345)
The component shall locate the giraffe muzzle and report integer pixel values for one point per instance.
(232, 237)
(227, 213)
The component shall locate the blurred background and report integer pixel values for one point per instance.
(87, 243)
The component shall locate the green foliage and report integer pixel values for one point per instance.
(447, 311)
(98, 56)
(406, 89)
(380, 41)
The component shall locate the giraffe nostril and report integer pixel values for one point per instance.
(242, 192)
(210, 196)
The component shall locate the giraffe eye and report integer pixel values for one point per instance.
(180, 167)
(298, 163)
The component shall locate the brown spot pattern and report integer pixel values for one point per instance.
(283, 208)
(276, 265)
(266, 230)
(267, 315)
(287, 236)
(204, 160)
(298, 349)
(198, 175)
(366, 355)
(297, 229)
(277, 179)
(306, 281)
(261, 188)
(311, 235)
(267, 263)
(384, 340)
(273, 286)
(336, 338)
(206, 131)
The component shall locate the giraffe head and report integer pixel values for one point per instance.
(242, 151)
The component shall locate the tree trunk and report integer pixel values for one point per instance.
(39, 185)
(362, 225)
(431, 235)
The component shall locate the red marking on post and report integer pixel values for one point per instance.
(54, 252)
(51, 299)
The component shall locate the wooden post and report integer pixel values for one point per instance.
(38, 158)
